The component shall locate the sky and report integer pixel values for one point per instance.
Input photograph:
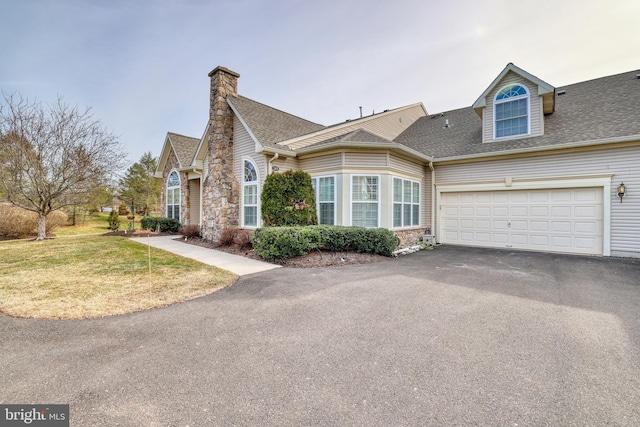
(142, 65)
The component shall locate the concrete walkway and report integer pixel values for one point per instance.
(234, 263)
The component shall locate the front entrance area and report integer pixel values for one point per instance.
(554, 220)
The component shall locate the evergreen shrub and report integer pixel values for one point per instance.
(288, 199)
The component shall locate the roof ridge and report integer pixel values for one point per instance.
(184, 136)
(280, 111)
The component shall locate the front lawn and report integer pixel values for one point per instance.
(78, 277)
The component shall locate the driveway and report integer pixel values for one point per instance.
(453, 336)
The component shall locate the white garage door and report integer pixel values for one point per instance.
(562, 220)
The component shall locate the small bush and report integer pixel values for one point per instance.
(227, 236)
(114, 221)
(122, 209)
(164, 225)
(243, 239)
(190, 231)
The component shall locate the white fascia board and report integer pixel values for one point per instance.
(602, 141)
(164, 156)
(351, 122)
(372, 145)
(258, 145)
(196, 155)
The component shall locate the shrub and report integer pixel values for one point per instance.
(17, 223)
(190, 231)
(114, 221)
(227, 236)
(287, 242)
(122, 209)
(288, 199)
(168, 225)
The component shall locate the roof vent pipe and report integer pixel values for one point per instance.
(361, 111)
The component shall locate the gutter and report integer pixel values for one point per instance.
(602, 141)
(433, 199)
(374, 145)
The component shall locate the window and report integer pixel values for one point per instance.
(250, 195)
(406, 203)
(325, 188)
(173, 196)
(511, 111)
(365, 200)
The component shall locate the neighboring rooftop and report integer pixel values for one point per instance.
(596, 109)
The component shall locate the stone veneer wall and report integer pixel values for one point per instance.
(172, 164)
(410, 237)
(220, 187)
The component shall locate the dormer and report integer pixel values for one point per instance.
(514, 106)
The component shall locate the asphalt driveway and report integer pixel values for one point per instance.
(454, 336)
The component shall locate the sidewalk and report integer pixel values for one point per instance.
(234, 263)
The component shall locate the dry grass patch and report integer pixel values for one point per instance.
(93, 276)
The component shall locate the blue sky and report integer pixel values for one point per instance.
(142, 65)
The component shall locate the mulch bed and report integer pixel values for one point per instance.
(311, 260)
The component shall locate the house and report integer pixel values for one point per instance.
(526, 166)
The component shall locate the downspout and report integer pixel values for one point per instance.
(269, 167)
(433, 199)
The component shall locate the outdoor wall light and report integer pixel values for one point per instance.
(621, 191)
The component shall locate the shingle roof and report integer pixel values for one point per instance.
(184, 146)
(358, 135)
(271, 125)
(596, 109)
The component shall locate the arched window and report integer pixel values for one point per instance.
(173, 196)
(250, 195)
(511, 111)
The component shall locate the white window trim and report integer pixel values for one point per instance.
(246, 184)
(351, 201)
(527, 96)
(393, 202)
(316, 179)
(166, 195)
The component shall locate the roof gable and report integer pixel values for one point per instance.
(544, 89)
(269, 125)
(184, 148)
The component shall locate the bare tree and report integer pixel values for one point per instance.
(52, 156)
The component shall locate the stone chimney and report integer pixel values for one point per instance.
(220, 188)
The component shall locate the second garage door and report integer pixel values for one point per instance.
(558, 220)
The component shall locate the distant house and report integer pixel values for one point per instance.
(526, 166)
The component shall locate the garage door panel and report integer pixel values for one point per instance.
(558, 220)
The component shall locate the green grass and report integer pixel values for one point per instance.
(95, 276)
(93, 224)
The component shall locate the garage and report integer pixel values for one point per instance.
(554, 220)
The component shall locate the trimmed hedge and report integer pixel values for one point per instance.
(288, 242)
(168, 225)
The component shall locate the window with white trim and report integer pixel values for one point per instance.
(173, 196)
(325, 188)
(511, 111)
(250, 195)
(406, 203)
(365, 200)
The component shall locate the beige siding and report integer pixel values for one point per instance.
(405, 165)
(535, 107)
(327, 161)
(386, 125)
(194, 201)
(286, 163)
(244, 148)
(426, 200)
(373, 160)
(622, 162)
